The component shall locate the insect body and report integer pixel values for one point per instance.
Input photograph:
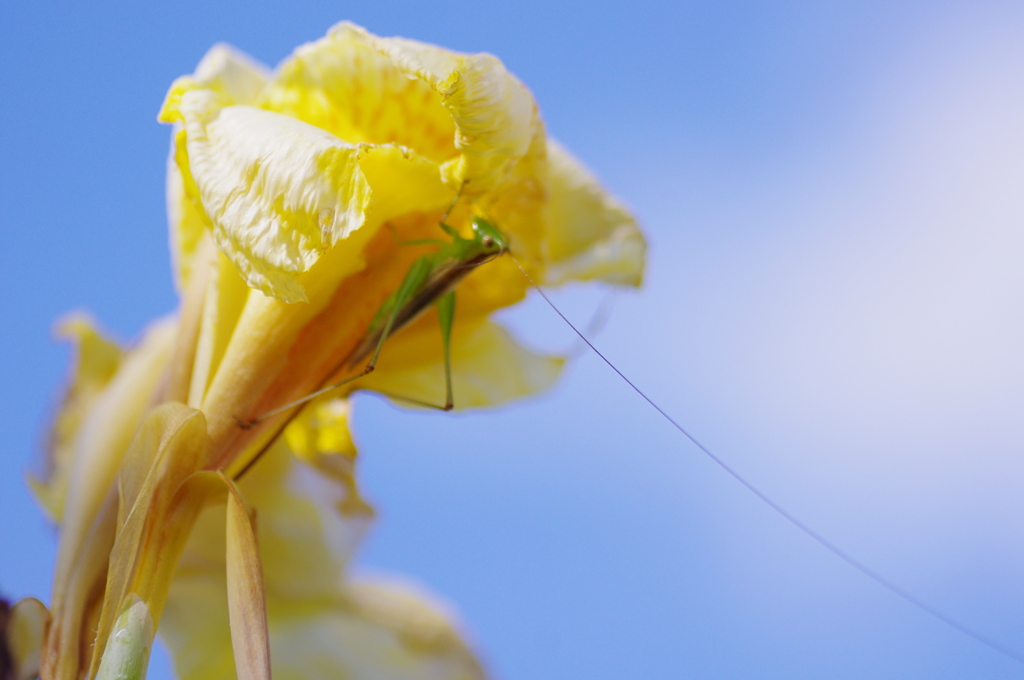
(430, 280)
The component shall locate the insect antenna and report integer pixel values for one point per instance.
(792, 519)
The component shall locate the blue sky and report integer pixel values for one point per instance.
(835, 306)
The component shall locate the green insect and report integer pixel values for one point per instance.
(430, 280)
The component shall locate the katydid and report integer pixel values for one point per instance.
(430, 280)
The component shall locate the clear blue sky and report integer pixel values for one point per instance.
(834, 193)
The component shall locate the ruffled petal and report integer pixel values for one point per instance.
(466, 110)
(341, 84)
(495, 115)
(590, 235)
(277, 192)
(489, 367)
(238, 79)
(236, 76)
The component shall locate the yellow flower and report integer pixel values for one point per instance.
(298, 202)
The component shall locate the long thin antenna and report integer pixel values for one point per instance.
(821, 540)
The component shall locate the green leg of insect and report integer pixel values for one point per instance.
(414, 280)
(446, 310)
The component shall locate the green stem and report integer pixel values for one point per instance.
(126, 656)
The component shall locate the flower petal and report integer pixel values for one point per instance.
(319, 627)
(379, 629)
(277, 192)
(247, 604)
(238, 79)
(489, 367)
(495, 115)
(156, 513)
(99, 447)
(590, 235)
(320, 437)
(341, 84)
(223, 301)
(97, 360)
(466, 110)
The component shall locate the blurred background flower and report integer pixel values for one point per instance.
(834, 305)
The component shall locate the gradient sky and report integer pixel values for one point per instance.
(834, 195)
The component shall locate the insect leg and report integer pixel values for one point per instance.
(413, 281)
(446, 310)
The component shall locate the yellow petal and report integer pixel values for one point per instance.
(590, 235)
(495, 115)
(97, 360)
(321, 429)
(489, 367)
(466, 110)
(341, 84)
(403, 182)
(247, 605)
(224, 299)
(277, 192)
(238, 79)
(98, 450)
(187, 222)
(157, 510)
(319, 627)
(23, 636)
(230, 71)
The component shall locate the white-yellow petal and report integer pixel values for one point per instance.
(377, 629)
(238, 79)
(320, 627)
(278, 192)
(590, 235)
(489, 366)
